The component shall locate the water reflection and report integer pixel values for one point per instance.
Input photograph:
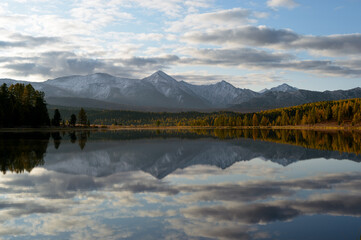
(21, 152)
(191, 185)
(162, 152)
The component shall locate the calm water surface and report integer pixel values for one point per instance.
(180, 185)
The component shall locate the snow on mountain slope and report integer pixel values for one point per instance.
(280, 88)
(174, 90)
(283, 88)
(222, 93)
(98, 86)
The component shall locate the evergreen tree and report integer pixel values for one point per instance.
(57, 118)
(72, 120)
(82, 117)
(22, 105)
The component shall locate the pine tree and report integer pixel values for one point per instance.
(56, 119)
(22, 105)
(72, 120)
(83, 119)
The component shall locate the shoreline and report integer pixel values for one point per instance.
(119, 128)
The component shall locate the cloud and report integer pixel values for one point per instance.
(199, 77)
(248, 35)
(235, 192)
(235, 57)
(57, 64)
(279, 38)
(261, 36)
(282, 3)
(99, 13)
(26, 41)
(262, 213)
(334, 45)
(251, 58)
(171, 8)
(223, 18)
(18, 209)
(249, 214)
(26, 69)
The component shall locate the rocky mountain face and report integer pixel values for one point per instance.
(161, 92)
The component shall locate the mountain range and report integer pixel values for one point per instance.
(161, 92)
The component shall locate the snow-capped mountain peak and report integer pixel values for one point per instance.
(160, 77)
(284, 88)
(223, 83)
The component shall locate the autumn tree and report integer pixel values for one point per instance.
(255, 120)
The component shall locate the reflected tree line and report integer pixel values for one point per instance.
(75, 136)
(20, 152)
(342, 141)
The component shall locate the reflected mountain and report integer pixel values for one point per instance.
(160, 153)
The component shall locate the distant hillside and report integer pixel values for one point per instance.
(335, 112)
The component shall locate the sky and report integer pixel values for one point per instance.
(252, 44)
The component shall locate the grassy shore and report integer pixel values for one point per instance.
(318, 127)
(299, 127)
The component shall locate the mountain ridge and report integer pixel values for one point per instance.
(161, 92)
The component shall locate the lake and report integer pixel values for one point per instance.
(197, 184)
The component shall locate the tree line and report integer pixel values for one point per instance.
(336, 112)
(81, 120)
(22, 105)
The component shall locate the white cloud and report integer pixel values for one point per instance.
(173, 8)
(99, 13)
(262, 36)
(224, 18)
(282, 3)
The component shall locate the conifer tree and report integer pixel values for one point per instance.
(72, 120)
(56, 119)
(83, 119)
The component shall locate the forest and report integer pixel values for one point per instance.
(342, 112)
(22, 105)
